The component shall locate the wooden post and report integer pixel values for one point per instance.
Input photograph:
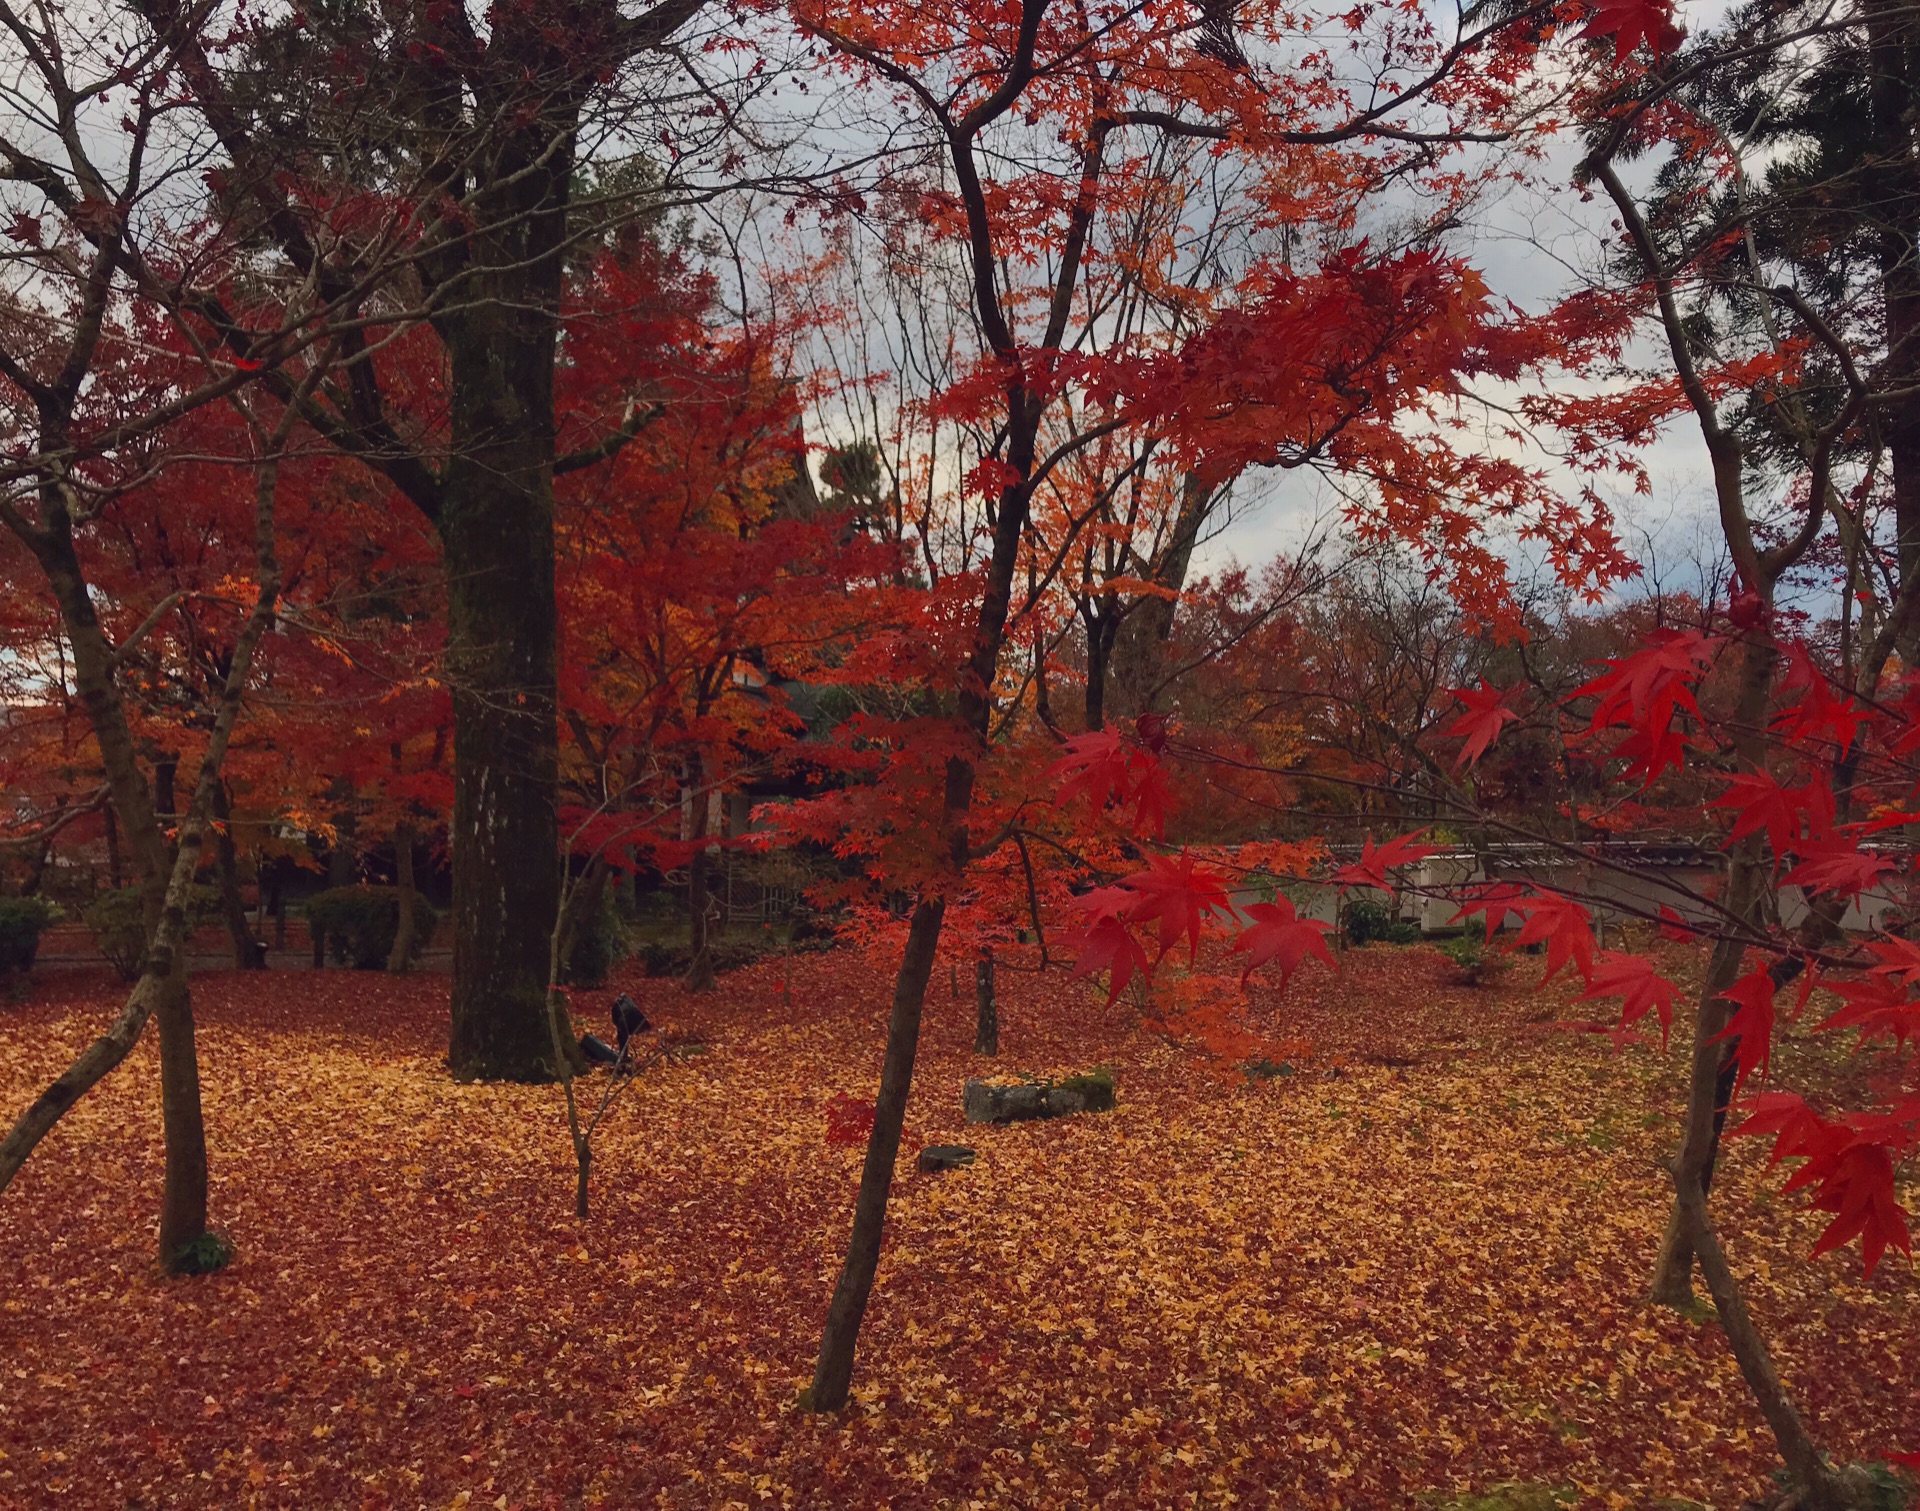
(986, 1027)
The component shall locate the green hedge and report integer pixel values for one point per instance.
(120, 928)
(21, 920)
(359, 924)
(1365, 921)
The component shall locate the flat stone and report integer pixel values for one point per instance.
(1014, 1102)
(937, 1157)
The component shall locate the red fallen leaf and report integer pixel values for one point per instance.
(1629, 23)
(849, 1120)
(1905, 1460)
(1370, 870)
(1279, 933)
(464, 1392)
(1486, 713)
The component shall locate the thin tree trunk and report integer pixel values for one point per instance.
(400, 957)
(161, 991)
(833, 1370)
(1747, 879)
(699, 976)
(247, 952)
(986, 1013)
(1135, 671)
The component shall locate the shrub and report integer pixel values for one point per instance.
(730, 952)
(359, 924)
(120, 927)
(21, 920)
(1474, 962)
(1365, 921)
(600, 943)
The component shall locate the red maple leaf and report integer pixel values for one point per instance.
(1673, 926)
(1639, 987)
(1486, 713)
(1836, 865)
(1751, 1026)
(1899, 959)
(1494, 899)
(1563, 926)
(1279, 933)
(1879, 1008)
(1177, 894)
(1102, 765)
(1858, 1190)
(1106, 944)
(1095, 763)
(1370, 870)
(1631, 22)
(1764, 803)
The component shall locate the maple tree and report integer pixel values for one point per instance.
(1373, 340)
(422, 171)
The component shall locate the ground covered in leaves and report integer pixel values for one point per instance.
(1404, 1269)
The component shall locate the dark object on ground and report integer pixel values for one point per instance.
(628, 1020)
(937, 1157)
(1017, 1101)
(597, 1051)
(359, 924)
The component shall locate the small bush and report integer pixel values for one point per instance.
(203, 1255)
(598, 945)
(21, 920)
(1365, 922)
(119, 924)
(730, 953)
(360, 923)
(1474, 963)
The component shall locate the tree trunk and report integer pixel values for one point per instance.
(1100, 628)
(1136, 669)
(400, 957)
(496, 527)
(1747, 880)
(183, 1202)
(248, 953)
(986, 1014)
(1892, 41)
(699, 902)
(833, 1370)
